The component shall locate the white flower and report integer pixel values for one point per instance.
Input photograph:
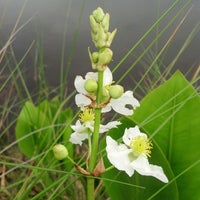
(133, 154)
(118, 105)
(85, 127)
(108, 126)
(84, 98)
(81, 130)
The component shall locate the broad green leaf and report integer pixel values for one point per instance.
(58, 116)
(121, 186)
(33, 130)
(171, 115)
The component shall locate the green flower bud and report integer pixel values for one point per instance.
(100, 38)
(98, 14)
(105, 92)
(94, 24)
(105, 22)
(90, 85)
(95, 37)
(100, 44)
(95, 57)
(60, 151)
(116, 91)
(99, 22)
(105, 95)
(105, 57)
(102, 35)
(111, 37)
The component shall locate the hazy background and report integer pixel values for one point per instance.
(132, 18)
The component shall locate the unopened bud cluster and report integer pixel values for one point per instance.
(100, 59)
(99, 22)
(102, 39)
(111, 91)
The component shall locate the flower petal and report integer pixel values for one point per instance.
(107, 77)
(92, 75)
(142, 166)
(77, 127)
(81, 100)
(89, 125)
(107, 108)
(77, 138)
(118, 155)
(79, 84)
(130, 133)
(108, 126)
(119, 105)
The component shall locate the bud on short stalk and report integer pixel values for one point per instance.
(116, 91)
(60, 151)
(90, 85)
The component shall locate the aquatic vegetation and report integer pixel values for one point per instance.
(115, 145)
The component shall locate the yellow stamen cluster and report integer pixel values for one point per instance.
(141, 145)
(86, 115)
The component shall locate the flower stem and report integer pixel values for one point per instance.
(95, 139)
(90, 188)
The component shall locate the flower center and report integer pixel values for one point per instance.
(86, 115)
(141, 145)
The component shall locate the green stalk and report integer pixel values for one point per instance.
(90, 188)
(95, 139)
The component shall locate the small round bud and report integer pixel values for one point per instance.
(60, 151)
(90, 85)
(105, 57)
(116, 91)
(95, 57)
(98, 14)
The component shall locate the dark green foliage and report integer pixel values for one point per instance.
(170, 115)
